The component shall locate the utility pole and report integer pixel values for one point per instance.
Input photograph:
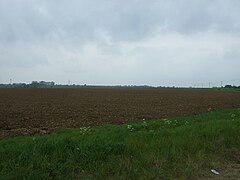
(209, 85)
(10, 81)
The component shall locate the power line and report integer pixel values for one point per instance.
(234, 82)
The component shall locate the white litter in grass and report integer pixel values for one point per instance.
(215, 172)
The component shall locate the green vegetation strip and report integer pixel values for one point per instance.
(182, 148)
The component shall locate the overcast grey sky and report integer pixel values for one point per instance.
(153, 42)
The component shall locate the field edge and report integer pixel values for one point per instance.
(181, 147)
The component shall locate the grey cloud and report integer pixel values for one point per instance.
(124, 20)
(113, 41)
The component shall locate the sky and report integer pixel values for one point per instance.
(120, 42)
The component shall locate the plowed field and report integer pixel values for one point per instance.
(34, 111)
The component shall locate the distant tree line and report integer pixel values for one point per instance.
(34, 84)
(232, 87)
(45, 84)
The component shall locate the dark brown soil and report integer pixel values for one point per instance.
(31, 111)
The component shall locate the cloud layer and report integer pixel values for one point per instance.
(156, 42)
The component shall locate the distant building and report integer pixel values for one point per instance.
(42, 84)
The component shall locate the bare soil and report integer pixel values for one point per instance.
(40, 111)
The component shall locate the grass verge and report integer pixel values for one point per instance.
(177, 148)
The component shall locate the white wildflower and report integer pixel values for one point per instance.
(130, 127)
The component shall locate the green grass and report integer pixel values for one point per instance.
(181, 148)
(219, 89)
(231, 89)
